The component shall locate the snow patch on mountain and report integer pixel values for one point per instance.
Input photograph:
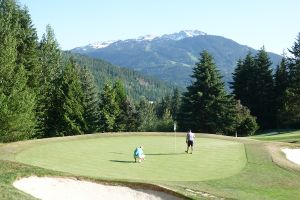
(99, 45)
(183, 34)
(146, 38)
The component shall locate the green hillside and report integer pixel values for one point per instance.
(136, 84)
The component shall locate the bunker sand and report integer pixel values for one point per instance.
(48, 188)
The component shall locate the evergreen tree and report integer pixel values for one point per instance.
(146, 115)
(246, 122)
(291, 110)
(17, 101)
(175, 104)
(253, 86)
(281, 83)
(27, 48)
(128, 117)
(121, 97)
(264, 105)
(49, 93)
(205, 106)
(109, 108)
(165, 123)
(164, 105)
(72, 121)
(90, 100)
(242, 85)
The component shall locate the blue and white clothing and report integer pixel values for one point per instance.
(138, 152)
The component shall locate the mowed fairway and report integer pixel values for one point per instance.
(110, 157)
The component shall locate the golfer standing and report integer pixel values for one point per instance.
(190, 141)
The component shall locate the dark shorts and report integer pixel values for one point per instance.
(190, 143)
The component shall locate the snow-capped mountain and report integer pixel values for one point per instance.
(95, 45)
(99, 45)
(174, 36)
(171, 57)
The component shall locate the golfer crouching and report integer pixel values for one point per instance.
(139, 154)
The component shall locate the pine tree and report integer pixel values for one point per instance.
(49, 93)
(27, 48)
(281, 84)
(164, 105)
(264, 104)
(242, 85)
(109, 108)
(17, 101)
(72, 121)
(128, 117)
(90, 100)
(175, 104)
(165, 123)
(253, 86)
(205, 106)
(291, 111)
(146, 115)
(121, 100)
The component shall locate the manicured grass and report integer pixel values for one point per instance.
(282, 136)
(225, 167)
(111, 158)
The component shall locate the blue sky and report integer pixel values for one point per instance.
(273, 23)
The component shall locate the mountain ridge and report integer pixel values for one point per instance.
(171, 57)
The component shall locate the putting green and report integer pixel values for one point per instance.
(111, 158)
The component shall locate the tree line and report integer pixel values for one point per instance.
(260, 98)
(43, 94)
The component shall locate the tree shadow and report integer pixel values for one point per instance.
(122, 161)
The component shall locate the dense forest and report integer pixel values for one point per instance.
(136, 85)
(45, 92)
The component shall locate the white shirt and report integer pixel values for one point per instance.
(190, 136)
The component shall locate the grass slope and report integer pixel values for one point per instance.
(283, 136)
(260, 178)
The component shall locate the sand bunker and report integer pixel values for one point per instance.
(292, 155)
(47, 188)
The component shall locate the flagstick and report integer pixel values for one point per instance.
(175, 137)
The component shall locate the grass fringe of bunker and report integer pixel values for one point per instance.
(279, 158)
(12, 171)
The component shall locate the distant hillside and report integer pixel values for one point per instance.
(171, 57)
(136, 85)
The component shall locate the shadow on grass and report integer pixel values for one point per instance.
(164, 154)
(295, 141)
(122, 161)
(116, 153)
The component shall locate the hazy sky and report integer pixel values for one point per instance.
(273, 23)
